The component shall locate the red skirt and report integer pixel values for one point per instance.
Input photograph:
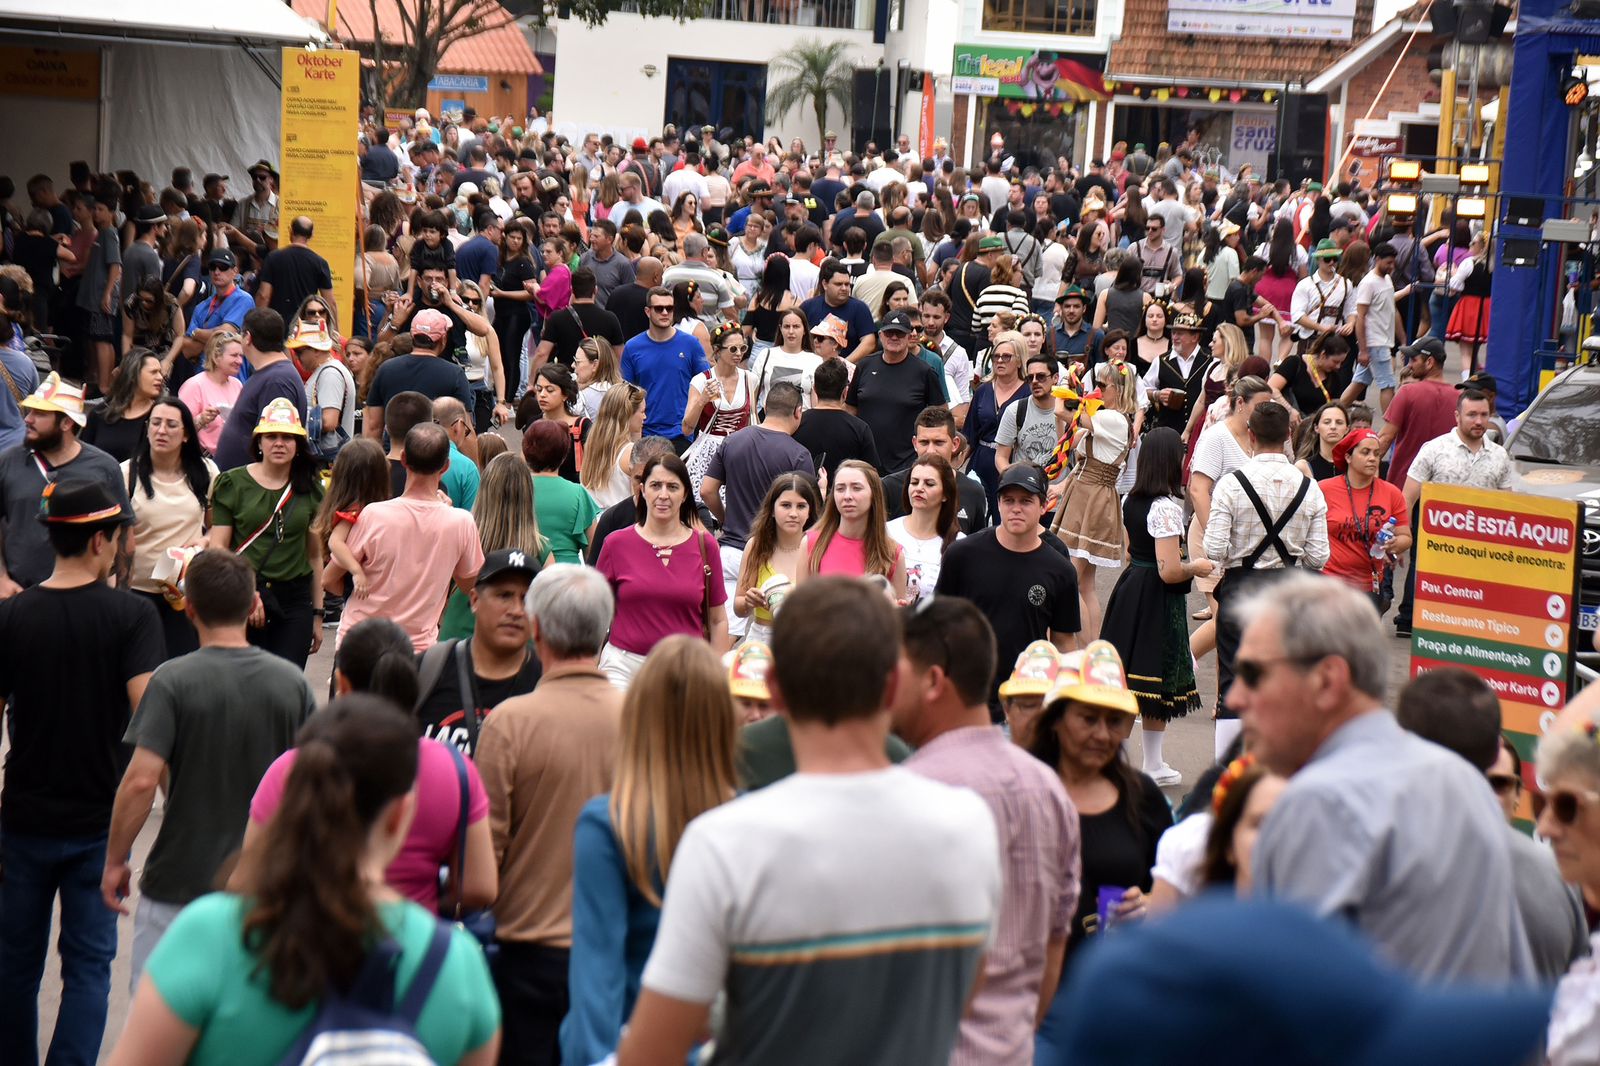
(1469, 322)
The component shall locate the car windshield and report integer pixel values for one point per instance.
(1563, 427)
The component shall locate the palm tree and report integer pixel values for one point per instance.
(811, 73)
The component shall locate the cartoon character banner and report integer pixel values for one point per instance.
(1021, 74)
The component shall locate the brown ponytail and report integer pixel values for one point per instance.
(312, 919)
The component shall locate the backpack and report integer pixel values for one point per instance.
(324, 445)
(364, 1026)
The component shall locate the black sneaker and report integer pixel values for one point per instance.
(1402, 629)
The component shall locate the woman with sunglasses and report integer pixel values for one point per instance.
(1087, 716)
(722, 401)
(1360, 507)
(991, 402)
(315, 309)
(484, 368)
(263, 511)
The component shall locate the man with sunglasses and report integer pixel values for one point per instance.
(1377, 827)
(226, 308)
(662, 361)
(1028, 432)
(1457, 710)
(1160, 264)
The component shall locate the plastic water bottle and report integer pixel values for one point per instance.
(1385, 537)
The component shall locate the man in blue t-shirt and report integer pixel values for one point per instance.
(833, 298)
(478, 259)
(662, 361)
(273, 377)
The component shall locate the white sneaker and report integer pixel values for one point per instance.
(1166, 776)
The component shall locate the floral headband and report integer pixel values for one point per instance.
(1230, 777)
(722, 330)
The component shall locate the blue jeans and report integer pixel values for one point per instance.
(33, 870)
(1440, 304)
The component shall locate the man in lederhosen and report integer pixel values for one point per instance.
(1177, 381)
(1323, 301)
(1266, 518)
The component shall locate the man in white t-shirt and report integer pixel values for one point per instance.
(1377, 329)
(811, 900)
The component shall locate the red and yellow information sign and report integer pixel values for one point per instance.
(1497, 593)
(319, 164)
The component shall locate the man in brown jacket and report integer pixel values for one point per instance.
(542, 757)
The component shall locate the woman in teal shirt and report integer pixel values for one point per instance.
(566, 510)
(237, 980)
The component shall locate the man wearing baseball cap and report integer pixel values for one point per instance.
(1025, 587)
(223, 304)
(500, 663)
(50, 451)
(890, 388)
(424, 371)
(75, 657)
(966, 286)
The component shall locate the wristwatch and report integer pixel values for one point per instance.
(319, 612)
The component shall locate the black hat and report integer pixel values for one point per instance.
(81, 503)
(895, 322)
(507, 561)
(1025, 476)
(261, 166)
(1432, 347)
(149, 213)
(223, 256)
(759, 188)
(1482, 381)
(212, 179)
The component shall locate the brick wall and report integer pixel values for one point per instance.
(1410, 88)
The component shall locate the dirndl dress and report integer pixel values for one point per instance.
(1146, 618)
(1090, 523)
(720, 419)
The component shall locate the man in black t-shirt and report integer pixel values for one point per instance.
(294, 272)
(626, 302)
(890, 389)
(1241, 305)
(422, 371)
(967, 284)
(488, 668)
(66, 715)
(829, 432)
(566, 329)
(1025, 587)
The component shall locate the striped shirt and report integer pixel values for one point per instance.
(1039, 847)
(840, 913)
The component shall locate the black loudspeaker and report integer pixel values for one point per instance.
(1524, 211)
(874, 99)
(1303, 137)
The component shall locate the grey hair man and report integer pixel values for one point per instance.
(700, 266)
(1377, 826)
(543, 757)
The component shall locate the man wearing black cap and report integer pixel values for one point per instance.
(66, 724)
(1025, 587)
(484, 670)
(141, 260)
(889, 390)
(226, 306)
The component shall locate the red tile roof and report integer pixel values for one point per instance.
(501, 50)
(1147, 50)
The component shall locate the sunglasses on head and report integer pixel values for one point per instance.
(1564, 804)
(1251, 671)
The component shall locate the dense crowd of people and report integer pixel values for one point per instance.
(670, 506)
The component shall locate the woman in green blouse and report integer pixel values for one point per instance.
(263, 511)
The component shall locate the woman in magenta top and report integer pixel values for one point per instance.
(852, 540)
(658, 572)
(376, 657)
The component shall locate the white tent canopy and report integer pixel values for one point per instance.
(189, 83)
(171, 20)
